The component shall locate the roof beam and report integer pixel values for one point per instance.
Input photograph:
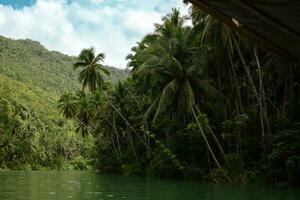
(243, 28)
(267, 18)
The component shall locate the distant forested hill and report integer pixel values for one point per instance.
(31, 81)
(29, 62)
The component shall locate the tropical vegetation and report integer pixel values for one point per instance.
(201, 102)
(33, 134)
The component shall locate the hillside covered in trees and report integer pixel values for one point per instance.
(32, 132)
(201, 102)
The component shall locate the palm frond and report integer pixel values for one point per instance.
(166, 98)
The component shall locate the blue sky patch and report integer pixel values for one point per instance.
(18, 4)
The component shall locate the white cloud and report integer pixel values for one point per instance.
(45, 22)
(70, 27)
(141, 22)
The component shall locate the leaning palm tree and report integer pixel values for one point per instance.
(91, 69)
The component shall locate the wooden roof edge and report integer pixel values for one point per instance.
(228, 20)
(267, 18)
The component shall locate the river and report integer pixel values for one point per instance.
(94, 186)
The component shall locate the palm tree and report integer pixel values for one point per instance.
(84, 114)
(135, 59)
(91, 76)
(175, 75)
(218, 35)
(79, 108)
(92, 69)
(68, 105)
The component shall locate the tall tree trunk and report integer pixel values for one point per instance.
(205, 139)
(219, 78)
(208, 159)
(146, 137)
(122, 116)
(235, 80)
(133, 148)
(117, 135)
(246, 68)
(148, 148)
(264, 108)
(257, 96)
(112, 139)
(213, 135)
(114, 145)
(285, 93)
(87, 127)
(291, 83)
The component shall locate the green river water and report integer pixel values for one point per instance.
(94, 186)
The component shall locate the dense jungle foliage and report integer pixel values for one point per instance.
(33, 135)
(201, 102)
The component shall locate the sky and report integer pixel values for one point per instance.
(111, 26)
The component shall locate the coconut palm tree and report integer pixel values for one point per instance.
(79, 108)
(91, 75)
(91, 69)
(68, 105)
(175, 73)
(85, 114)
(135, 59)
(217, 34)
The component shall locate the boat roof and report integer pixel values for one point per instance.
(273, 24)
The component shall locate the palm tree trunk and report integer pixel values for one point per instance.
(241, 108)
(260, 93)
(213, 135)
(219, 78)
(133, 148)
(208, 160)
(148, 143)
(114, 145)
(205, 139)
(216, 140)
(112, 139)
(122, 116)
(246, 68)
(291, 75)
(117, 135)
(87, 127)
(285, 93)
(147, 137)
(264, 109)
